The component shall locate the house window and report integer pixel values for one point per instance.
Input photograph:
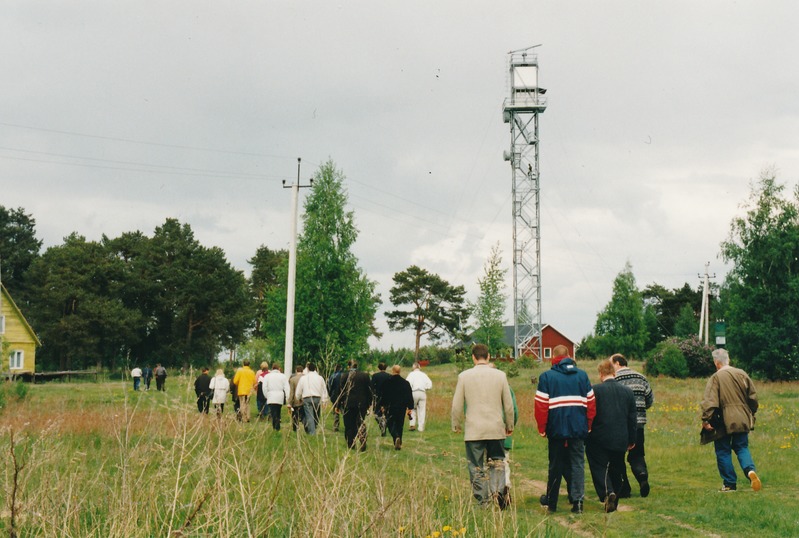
(2, 325)
(16, 360)
(547, 352)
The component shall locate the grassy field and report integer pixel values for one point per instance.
(98, 460)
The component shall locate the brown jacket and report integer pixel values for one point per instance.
(731, 390)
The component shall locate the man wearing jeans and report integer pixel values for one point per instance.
(731, 391)
(483, 408)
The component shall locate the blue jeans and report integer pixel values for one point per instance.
(738, 442)
(136, 382)
(311, 406)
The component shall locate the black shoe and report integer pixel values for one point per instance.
(397, 444)
(503, 499)
(577, 507)
(611, 503)
(543, 500)
(644, 487)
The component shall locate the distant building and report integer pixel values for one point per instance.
(19, 340)
(551, 338)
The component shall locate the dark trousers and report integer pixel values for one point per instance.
(260, 403)
(607, 467)
(274, 414)
(566, 461)
(202, 403)
(159, 382)
(637, 461)
(297, 416)
(395, 422)
(147, 383)
(354, 428)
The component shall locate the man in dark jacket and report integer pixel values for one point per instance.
(334, 391)
(397, 401)
(356, 398)
(377, 389)
(564, 410)
(612, 434)
(202, 388)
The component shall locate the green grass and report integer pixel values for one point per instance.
(100, 460)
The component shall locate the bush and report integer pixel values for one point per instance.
(14, 391)
(694, 354)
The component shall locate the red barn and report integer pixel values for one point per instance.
(550, 337)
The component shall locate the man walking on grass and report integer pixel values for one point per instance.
(612, 434)
(482, 408)
(244, 379)
(312, 390)
(643, 401)
(355, 401)
(731, 391)
(397, 401)
(564, 410)
(420, 384)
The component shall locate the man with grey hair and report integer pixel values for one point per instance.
(731, 391)
(420, 384)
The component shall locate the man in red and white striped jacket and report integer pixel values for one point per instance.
(564, 410)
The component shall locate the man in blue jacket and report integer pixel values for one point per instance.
(564, 410)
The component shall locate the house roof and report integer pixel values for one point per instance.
(15, 308)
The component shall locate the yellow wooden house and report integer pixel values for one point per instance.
(19, 342)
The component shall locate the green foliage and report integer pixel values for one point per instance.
(762, 288)
(256, 350)
(18, 248)
(588, 348)
(687, 323)
(436, 307)
(668, 360)
(335, 303)
(12, 392)
(166, 299)
(489, 309)
(681, 357)
(620, 326)
(264, 278)
(667, 305)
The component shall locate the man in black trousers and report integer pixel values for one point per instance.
(612, 434)
(397, 401)
(356, 398)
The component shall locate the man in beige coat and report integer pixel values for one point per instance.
(732, 392)
(483, 408)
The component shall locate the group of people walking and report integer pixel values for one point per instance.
(353, 394)
(142, 377)
(601, 423)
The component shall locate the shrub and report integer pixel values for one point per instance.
(697, 357)
(673, 363)
(14, 391)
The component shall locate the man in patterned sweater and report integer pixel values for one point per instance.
(643, 401)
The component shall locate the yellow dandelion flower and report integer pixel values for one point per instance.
(463, 530)
(446, 528)
(455, 533)
(401, 529)
(436, 534)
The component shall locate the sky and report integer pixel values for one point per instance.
(115, 116)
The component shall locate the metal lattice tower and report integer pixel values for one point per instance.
(521, 110)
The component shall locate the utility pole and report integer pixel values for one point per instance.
(288, 365)
(704, 316)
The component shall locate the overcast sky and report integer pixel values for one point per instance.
(117, 115)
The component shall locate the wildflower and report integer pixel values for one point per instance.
(401, 529)
(436, 534)
(463, 530)
(446, 528)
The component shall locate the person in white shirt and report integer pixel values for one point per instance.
(275, 388)
(219, 386)
(136, 375)
(420, 384)
(312, 390)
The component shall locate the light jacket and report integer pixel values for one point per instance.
(275, 386)
(220, 386)
(312, 385)
(419, 381)
(482, 403)
(731, 390)
(564, 401)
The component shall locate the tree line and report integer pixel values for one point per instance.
(165, 297)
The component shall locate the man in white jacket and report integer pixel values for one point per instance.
(312, 390)
(420, 384)
(275, 387)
